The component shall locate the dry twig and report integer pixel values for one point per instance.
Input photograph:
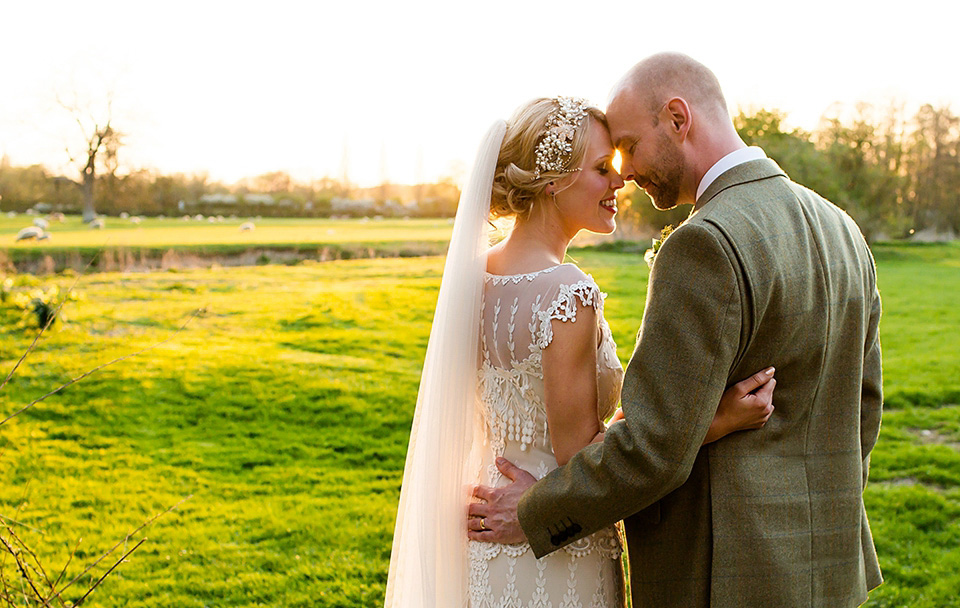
(105, 574)
(50, 321)
(99, 367)
(112, 549)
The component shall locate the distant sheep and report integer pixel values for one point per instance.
(41, 223)
(30, 232)
(135, 220)
(247, 226)
(97, 224)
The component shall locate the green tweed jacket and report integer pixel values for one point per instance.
(766, 272)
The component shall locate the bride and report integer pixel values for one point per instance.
(521, 364)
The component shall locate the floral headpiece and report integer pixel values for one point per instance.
(556, 143)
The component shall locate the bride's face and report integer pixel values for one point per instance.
(589, 202)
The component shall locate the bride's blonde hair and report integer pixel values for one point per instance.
(516, 187)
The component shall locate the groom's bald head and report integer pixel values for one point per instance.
(663, 76)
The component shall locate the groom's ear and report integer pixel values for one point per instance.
(678, 113)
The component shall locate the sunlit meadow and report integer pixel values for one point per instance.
(283, 409)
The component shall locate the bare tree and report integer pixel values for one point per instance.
(101, 142)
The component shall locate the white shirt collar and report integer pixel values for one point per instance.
(737, 157)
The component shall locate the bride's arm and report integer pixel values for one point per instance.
(746, 405)
(570, 384)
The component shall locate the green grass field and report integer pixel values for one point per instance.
(175, 232)
(284, 411)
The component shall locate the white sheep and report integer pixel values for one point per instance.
(30, 232)
(247, 226)
(97, 224)
(135, 220)
(41, 223)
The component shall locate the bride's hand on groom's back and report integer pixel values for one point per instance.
(746, 405)
(494, 520)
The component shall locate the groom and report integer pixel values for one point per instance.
(764, 272)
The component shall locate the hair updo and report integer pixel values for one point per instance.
(515, 189)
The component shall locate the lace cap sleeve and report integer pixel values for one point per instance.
(570, 292)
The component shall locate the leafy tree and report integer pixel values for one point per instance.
(933, 169)
(865, 162)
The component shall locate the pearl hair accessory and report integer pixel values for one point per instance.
(556, 143)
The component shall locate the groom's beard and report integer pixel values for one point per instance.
(664, 188)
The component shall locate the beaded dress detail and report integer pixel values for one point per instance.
(518, 313)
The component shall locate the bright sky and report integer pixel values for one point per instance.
(404, 90)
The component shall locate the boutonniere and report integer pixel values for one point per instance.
(652, 252)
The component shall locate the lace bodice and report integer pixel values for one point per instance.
(517, 325)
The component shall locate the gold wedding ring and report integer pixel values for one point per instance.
(483, 524)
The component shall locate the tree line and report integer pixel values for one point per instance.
(895, 174)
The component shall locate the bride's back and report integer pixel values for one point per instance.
(517, 315)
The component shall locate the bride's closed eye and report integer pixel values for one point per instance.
(605, 167)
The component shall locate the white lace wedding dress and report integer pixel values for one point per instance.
(518, 313)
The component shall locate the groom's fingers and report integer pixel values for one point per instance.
(478, 509)
(747, 386)
(483, 493)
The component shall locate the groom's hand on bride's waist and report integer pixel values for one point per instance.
(494, 518)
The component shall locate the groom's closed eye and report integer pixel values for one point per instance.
(626, 147)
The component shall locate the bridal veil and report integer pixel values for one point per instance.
(428, 563)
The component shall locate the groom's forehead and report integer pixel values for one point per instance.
(624, 113)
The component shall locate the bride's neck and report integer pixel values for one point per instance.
(538, 240)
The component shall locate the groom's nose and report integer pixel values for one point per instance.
(626, 167)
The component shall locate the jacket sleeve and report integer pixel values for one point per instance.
(688, 340)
